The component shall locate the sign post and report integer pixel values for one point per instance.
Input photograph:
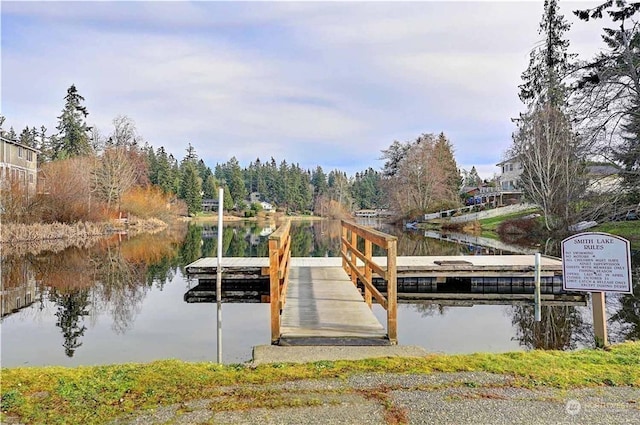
(597, 263)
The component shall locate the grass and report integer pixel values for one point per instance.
(490, 225)
(629, 230)
(98, 394)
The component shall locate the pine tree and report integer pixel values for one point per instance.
(73, 137)
(191, 187)
(544, 142)
(236, 181)
(609, 91)
(549, 63)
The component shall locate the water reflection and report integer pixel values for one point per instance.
(560, 328)
(624, 316)
(124, 299)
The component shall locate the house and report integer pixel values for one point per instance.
(18, 164)
(603, 178)
(511, 169)
(266, 206)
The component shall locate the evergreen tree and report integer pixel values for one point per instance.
(319, 182)
(163, 173)
(73, 137)
(235, 181)
(210, 187)
(608, 92)
(473, 179)
(228, 201)
(29, 137)
(544, 142)
(444, 155)
(11, 135)
(548, 63)
(191, 187)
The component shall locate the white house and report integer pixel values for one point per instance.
(511, 169)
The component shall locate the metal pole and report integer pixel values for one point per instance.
(219, 274)
(537, 313)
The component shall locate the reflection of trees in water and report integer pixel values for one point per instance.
(415, 244)
(430, 309)
(71, 309)
(121, 285)
(190, 250)
(626, 317)
(326, 238)
(112, 277)
(560, 327)
(301, 240)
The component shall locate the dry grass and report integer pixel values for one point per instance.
(34, 238)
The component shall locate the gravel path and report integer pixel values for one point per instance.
(442, 398)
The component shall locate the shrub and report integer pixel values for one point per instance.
(67, 194)
(147, 202)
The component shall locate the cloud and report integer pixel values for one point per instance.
(318, 83)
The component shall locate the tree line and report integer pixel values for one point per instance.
(89, 175)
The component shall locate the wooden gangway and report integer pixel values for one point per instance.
(316, 301)
(323, 307)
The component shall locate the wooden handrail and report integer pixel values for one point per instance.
(279, 266)
(350, 254)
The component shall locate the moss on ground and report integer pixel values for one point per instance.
(98, 394)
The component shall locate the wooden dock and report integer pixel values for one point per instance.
(324, 308)
(327, 301)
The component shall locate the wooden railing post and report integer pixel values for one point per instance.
(343, 248)
(392, 291)
(368, 253)
(354, 244)
(274, 290)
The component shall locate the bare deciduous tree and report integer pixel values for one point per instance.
(550, 155)
(113, 175)
(424, 177)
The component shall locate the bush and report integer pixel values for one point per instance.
(529, 227)
(67, 194)
(148, 202)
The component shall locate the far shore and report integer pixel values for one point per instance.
(262, 217)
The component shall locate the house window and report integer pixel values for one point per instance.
(29, 155)
(20, 151)
(30, 178)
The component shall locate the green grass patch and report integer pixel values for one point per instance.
(98, 394)
(629, 230)
(491, 224)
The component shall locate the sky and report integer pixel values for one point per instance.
(314, 83)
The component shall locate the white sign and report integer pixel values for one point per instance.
(596, 262)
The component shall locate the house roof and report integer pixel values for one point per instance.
(514, 158)
(14, 142)
(602, 170)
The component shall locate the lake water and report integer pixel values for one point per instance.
(122, 300)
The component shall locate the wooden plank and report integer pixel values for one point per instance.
(322, 302)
